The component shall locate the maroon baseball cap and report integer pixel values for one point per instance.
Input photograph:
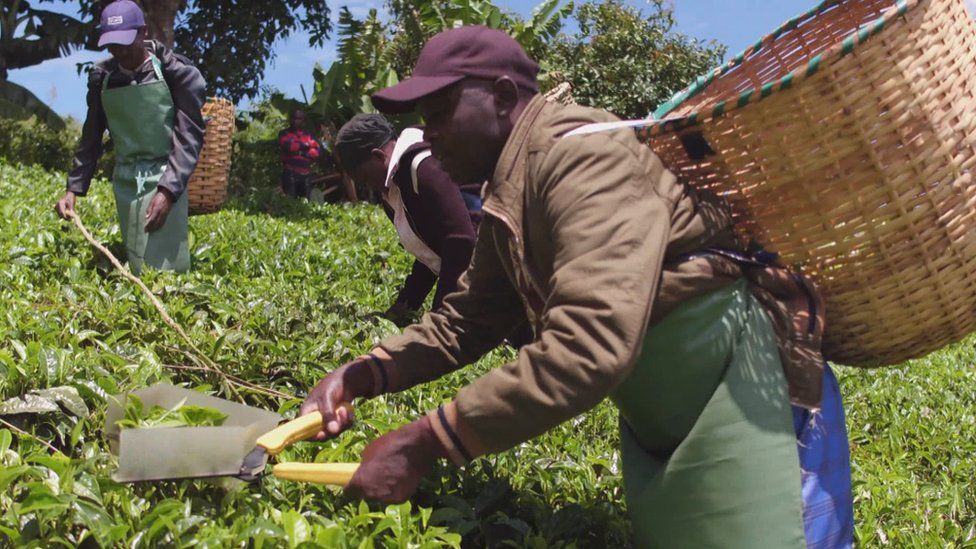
(450, 56)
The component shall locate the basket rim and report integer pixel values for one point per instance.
(659, 123)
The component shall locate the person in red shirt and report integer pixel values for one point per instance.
(299, 149)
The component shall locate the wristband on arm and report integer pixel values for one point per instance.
(381, 377)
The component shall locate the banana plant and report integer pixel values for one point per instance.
(373, 54)
(542, 26)
(344, 88)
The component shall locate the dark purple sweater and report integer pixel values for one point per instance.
(439, 217)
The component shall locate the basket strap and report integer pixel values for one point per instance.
(608, 126)
(694, 143)
(763, 259)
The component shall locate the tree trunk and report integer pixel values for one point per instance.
(160, 18)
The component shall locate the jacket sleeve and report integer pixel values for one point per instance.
(448, 225)
(609, 228)
(90, 145)
(417, 285)
(471, 322)
(188, 89)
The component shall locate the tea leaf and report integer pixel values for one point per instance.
(179, 415)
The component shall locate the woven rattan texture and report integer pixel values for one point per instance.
(562, 93)
(207, 188)
(861, 174)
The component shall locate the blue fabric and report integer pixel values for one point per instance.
(825, 464)
(472, 201)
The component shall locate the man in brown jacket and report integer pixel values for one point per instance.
(587, 236)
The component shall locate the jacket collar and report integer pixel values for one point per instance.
(407, 139)
(503, 194)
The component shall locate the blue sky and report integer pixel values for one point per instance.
(735, 23)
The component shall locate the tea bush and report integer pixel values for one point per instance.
(281, 291)
(31, 142)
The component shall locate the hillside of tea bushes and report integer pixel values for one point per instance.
(280, 293)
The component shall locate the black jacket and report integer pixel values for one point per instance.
(188, 89)
(438, 216)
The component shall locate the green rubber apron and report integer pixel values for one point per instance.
(140, 119)
(709, 450)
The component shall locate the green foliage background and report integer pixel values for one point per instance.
(625, 60)
(256, 163)
(18, 103)
(280, 293)
(32, 142)
(283, 291)
(31, 34)
(622, 59)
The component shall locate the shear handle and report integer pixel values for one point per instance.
(296, 430)
(334, 474)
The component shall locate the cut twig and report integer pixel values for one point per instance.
(22, 432)
(232, 379)
(203, 363)
(142, 286)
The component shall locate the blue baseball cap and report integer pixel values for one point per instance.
(121, 21)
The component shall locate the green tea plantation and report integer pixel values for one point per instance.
(280, 293)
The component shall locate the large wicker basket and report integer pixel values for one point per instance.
(207, 188)
(846, 141)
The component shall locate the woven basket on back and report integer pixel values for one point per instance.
(562, 94)
(207, 188)
(846, 142)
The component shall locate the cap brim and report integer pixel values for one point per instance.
(403, 97)
(120, 37)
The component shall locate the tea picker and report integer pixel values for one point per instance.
(149, 99)
(435, 218)
(848, 154)
(299, 150)
(636, 290)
